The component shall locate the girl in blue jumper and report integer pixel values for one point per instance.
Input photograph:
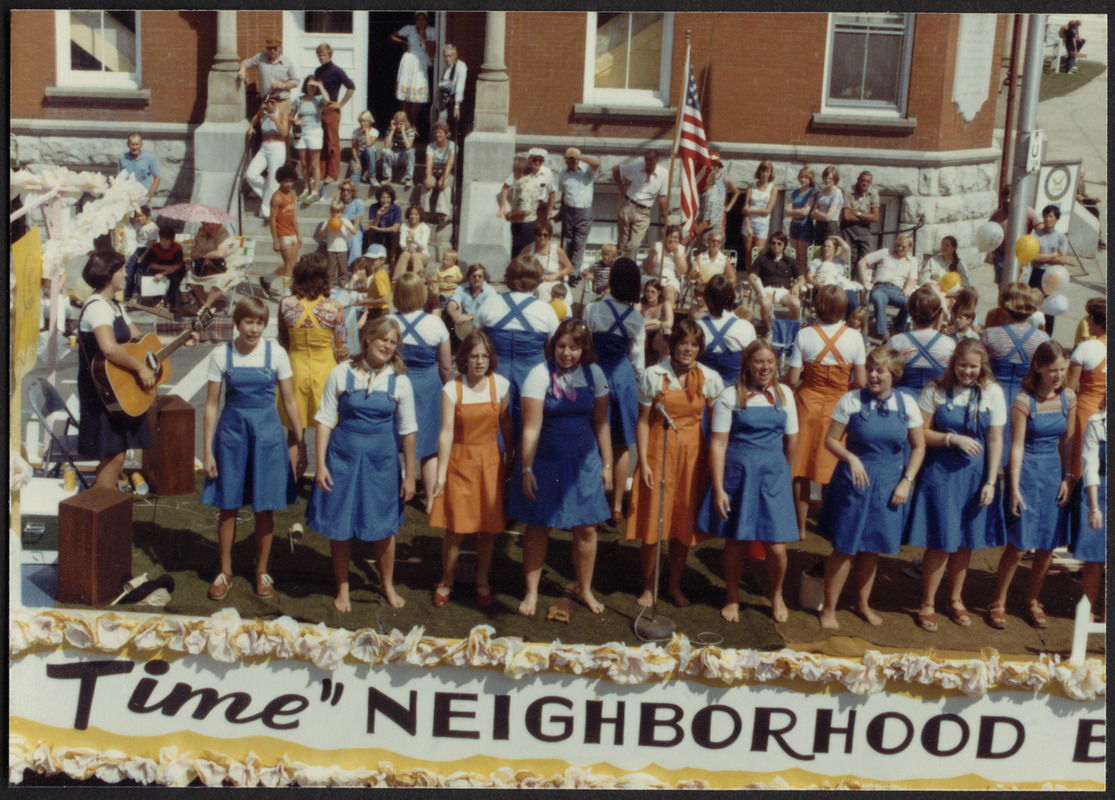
(247, 442)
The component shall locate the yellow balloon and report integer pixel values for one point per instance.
(950, 280)
(1026, 248)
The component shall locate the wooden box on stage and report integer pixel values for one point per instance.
(169, 465)
(94, 546)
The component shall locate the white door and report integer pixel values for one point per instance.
(347, 33)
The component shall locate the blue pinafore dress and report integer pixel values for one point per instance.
(863, 520)
(250, 443)
(99, 432)
(1043, 525)
(1009, 374)
(363, 459)
(421, 361)
(946, 514)
(757, 480)
(517, 352)
(716, 355)
(1088, 544)
(566, 465)
(623, 401)
(915, 378)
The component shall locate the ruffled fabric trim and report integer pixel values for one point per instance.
(226, 638)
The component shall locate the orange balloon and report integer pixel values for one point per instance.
(335, 223)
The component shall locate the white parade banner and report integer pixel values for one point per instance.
(449, 719)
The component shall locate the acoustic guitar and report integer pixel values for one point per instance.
(120, 389)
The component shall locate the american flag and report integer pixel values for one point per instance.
(693, 151)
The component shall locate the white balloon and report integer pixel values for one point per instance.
(1055, 305)
(989, 235)
(1055, 280)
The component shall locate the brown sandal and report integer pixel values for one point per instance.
(960, 614)
(997, 615)
(1037, 615)
(927, 620)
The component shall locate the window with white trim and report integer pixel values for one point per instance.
(97, 48)
(868, 64)
(627, 58)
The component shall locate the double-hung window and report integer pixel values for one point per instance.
(627, 58)
(868, 64)
(96, 48)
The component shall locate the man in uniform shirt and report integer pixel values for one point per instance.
(861, 210)
(332, 78)
(575, 183)
(645, 186)
(542, 177)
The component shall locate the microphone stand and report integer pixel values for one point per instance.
(654, 626)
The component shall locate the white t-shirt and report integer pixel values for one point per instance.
(98, 312)
(405, 421)
(728, 402)
(808, 345)
(600, 319)
(537, 381)
(737, 337)
(218, 360)
(430, 328)
(1094, 433)
(849, 405)
(418, 236)
(992, 401)
(335, 241)
(642, 189)
(1090, 354)
(941, 349)
(651, 382)
(479, 395)
(539, 315)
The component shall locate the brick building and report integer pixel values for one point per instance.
(909, 96)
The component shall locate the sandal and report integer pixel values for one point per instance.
(960, 614)
(483, 595)
(441, 600)
(265, 586)
(220, 586)
(1037, 615)
(927, 620)
(997, 615)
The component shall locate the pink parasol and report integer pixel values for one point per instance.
(195, 212)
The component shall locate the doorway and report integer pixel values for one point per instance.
(383, 66)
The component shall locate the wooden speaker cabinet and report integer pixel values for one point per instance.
(169, 465)
(94, 546)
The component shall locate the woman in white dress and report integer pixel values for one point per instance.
(412, 85)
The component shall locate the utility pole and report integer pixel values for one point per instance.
(1027, 143)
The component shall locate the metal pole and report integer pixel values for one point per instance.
(1012, 81)
(1022, 182)
(654, 626)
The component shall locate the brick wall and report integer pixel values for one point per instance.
(762, 77)
(177, 51)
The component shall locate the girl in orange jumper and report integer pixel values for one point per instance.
(685, 388)
(832, 357)
(468, 494)
(1088, 372)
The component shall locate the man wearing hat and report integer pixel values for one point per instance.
(645, 186)
(522, 231)
(276, 71)
(575, 182)
(713, 209)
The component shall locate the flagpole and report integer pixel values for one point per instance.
(674, 150)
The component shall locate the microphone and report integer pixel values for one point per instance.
(661, 409)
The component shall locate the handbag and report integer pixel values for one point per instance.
(208, 267)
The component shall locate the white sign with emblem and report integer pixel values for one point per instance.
(1056, 185)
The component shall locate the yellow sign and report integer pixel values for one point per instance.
(27, 267)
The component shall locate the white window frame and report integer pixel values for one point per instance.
(65, 76)
(868, 107)
(629, 97)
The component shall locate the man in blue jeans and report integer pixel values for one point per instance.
(890, 277)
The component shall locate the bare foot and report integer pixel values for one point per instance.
(778, 609)
(828, 619)
(527, 607)
(870, 616)
(594, 605)
(730, 612)
(392, 597)
(680, 600)
(646, 599)
(341, 602)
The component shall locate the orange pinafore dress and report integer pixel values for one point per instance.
(311, 360)
(821, 388)
(686, 487)
(472, 501)
(1089, 400)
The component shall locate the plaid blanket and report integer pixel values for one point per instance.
(220, 329)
